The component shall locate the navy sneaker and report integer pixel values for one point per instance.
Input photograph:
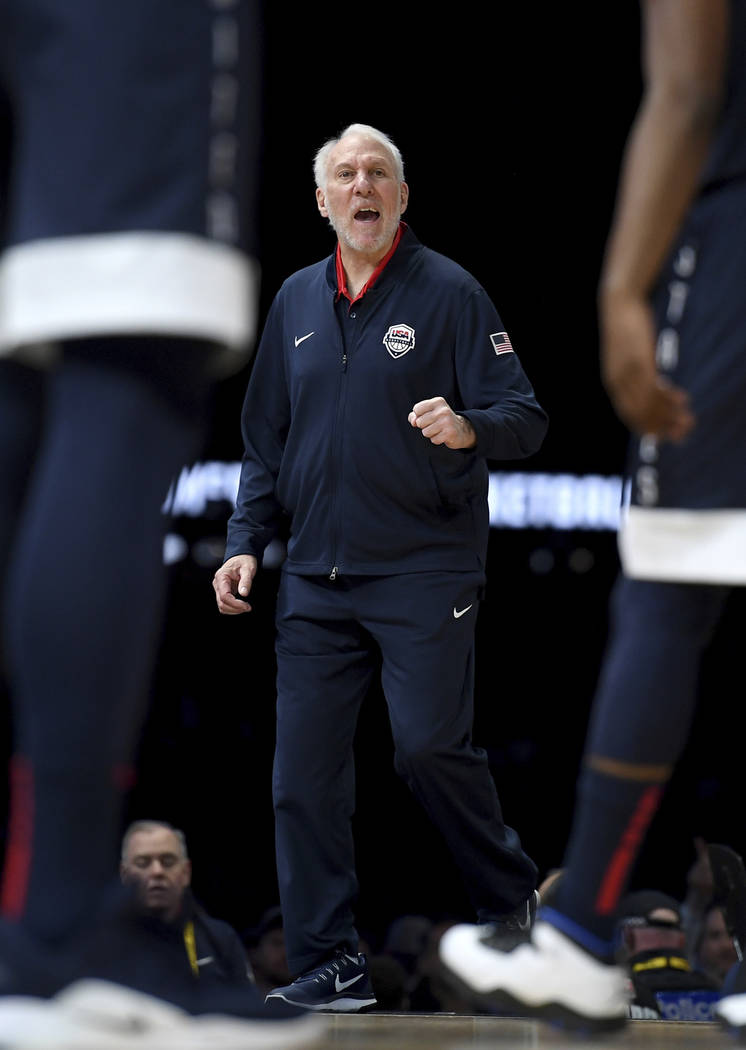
(506, 932)
(341, 984)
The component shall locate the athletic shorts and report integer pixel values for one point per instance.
(131, 143)
(686, 517)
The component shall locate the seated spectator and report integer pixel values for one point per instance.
(700, 890)
(390, 982)
(715, 952)
(431, 988)
(653, 947)
(155, 862)
(266, 947)
(406, 939)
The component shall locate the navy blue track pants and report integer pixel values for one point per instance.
(329, 636)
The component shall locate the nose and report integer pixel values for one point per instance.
(362, 183)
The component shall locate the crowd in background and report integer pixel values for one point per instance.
(679, 953)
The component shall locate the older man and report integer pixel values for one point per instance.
(155, 861)
(384, 380)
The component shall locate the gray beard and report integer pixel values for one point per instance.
(382, 241)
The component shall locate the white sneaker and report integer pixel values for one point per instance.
(98, 1015)
(550, 977)
(730, 1011)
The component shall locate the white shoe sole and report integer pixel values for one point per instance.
(97, 1015)
(340, 1006)
(550, 977)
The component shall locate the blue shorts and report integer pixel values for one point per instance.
(133, 132)
(686, 520)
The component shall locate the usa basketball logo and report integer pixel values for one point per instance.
(399, 339)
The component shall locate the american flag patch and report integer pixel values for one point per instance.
(501, 343)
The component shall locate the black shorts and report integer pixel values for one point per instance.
(132, 135)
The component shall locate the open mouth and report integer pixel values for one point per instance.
(367, 215)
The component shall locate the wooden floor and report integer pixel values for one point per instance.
(460, 1032)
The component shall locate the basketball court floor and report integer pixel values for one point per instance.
(461, 1032)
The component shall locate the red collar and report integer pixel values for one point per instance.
(342, 279)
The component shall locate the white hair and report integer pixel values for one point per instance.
(322, 157)
(153, 825)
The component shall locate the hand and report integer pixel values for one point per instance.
(644, 400)
(232, 583)
(438, 422)
(699, 878)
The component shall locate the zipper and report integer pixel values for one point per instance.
(335, 460)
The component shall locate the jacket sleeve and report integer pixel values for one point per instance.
(498, 399)
(265, 419)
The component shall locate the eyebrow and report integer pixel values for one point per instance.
(151, 856)
(373, 162)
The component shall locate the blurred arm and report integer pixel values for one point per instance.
(684, 61)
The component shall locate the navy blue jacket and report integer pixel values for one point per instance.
(325, 428)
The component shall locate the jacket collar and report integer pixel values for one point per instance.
(407, 247)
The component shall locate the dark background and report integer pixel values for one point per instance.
(512, 131)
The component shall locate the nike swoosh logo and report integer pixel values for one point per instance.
(204, 960)
(526, 924)
(457, 615)
(339, 986)
(302, 339)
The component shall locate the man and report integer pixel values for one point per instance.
(715, 951)
(383, 381)
(129, 136)
(155, 862)
(653, 951)
(673, 332)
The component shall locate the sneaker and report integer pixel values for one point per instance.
(122, 983)
(341, 984)
(506, 932)
(730, 1010)
(551, 977)
(99, 1015)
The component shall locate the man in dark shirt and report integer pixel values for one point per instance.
(383, 382)
(156, 863)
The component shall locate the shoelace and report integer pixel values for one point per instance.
(330, 970)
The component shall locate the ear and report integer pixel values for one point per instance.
(404, 197)
(188, 872)
(321, 202)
